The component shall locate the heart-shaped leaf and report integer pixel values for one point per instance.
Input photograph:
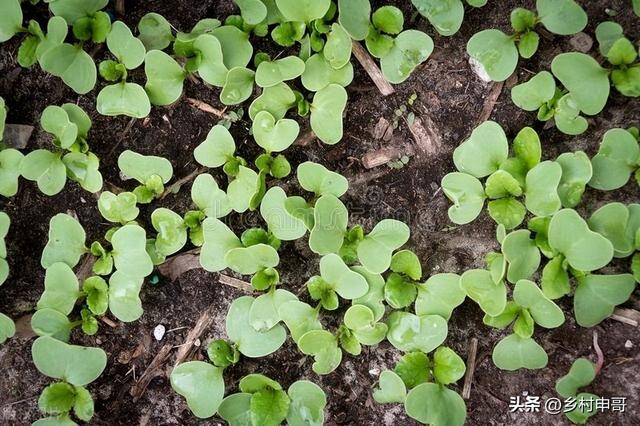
(430, 403)
(128, 99)
(46, 168)
(144, 167)
(409, 332)
(615, 222)
(128, 49)
(249, 260)
(74, 364)
(377, 247)
(238, 86)
(263, 315)
(448, 367)
(124, 299)
(337, 49)
(324, 348)
(440, 295)
(274, 136)
(545, 313)
(218, 240)
(483, 152)
(445, 15)
(155, 32)
(201, 384)
(251, 343)
(347, 283)
(467, 195)
(410, 49)
(217, 148)
(243, 188)
(515, 352)
(119, 208)
(330, 225)
(318, 73)
(522, 254)
(165, 78)
(596, 296)
(277, 100)
(585, 79)
(534, 93)
(581, 374)
(7, 328)
(584, 249)
(480, 287)
(272, 73)
(353, 15)
(253, 11)
(10, 163)
(308, 401)
(299, 318)
(11, 20)
(564, 17)
(66, 241)
(236, 409)
(282, 225)
(303, 10)
(52, 323)
(496, 51)
(576, 172)
(390, 389)
(172, 232)
(129, 251)
(209, 198)
(73, 65)
(541, 194)
(237, 50)
(616, 159)
(326, 113)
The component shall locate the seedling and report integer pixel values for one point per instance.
(76, 367)
(210, 201)
(360, 327)
(581, 374)
(421, 385)
(150, 171)
(10, 160)
(336, 279)
(439, 295)
(218, 150)
(529, 307)
(498, 52)
(622, 54)
(617, 159)
(263, 401)
(123, 98)
(401, 287)
(70, 126)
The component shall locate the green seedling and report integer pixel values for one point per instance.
(486, 288)
(421, 384)
(335, 279)
(76, 367)
(439, 295)
(201, 384)
(571, 247)
(360, 327)
(498, 52)
(10, 160)
(37, 42)
(120, 209)
(529, 307)
(318, 73)
(122, 98)
(218, 150)
(622, 54)
(401, 287)
(210, 201)
(445, 16)
(581, 374)
(70, 126)
(150, 171)
(326, 113)
(263, 401)
(617, 159)
(596, 296)
(409, 332)
(276, 100)
(325, 349)
(155, 32)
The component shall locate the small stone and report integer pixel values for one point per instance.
(479, 70)
(17, 135)
(158, 332)
(374, 371)
(197, 343)
(628, 344)
(582, 42)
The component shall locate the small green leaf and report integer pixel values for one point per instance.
(308, 401)
(480, 287)
(515, 352)
(73, 65)
(445, 15)
(410, 49)
(376, 249)
(581, 374)
(269, 74)
(119, 208)
(564, 17)
(128, 99)
(326, 113)
(390, 389)
(496, 51)
(534, 93)
(66, 241)
(201, 384)
(303, 10)
(251, 343)
(409, 332)
(439, 295)
(522, 255)
(165, 78)
(448, 367)
(74, 364)
(585, 79)
(10, 19)
(155, 32)
(541, 194)
(545, 313)
(483, 152)
(353, 15)
(466, 193)
(596, 296)
(47, 169)
(434, 404)
(129, 251)
(616, 159)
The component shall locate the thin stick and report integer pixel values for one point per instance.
(108, 321)
(599, 353)
(235, 283)
(372, 69)
(627, 316)
(171, 189)
(86, 267)
(205, 320)
(203, 106)
(471, 367)
(153, 370)
(120, 7)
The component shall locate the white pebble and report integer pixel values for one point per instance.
(374, 371)
(158, 332)
(628, 344)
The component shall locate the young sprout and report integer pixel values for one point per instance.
(428, 400)
(409, 332)
(360, 328)
(210, 201)
(581, 374)
(335, 279)
(247, 340)
(622, 54)
(76, 366)
(155, 32)
(529, 307)
(70, 126)
(497, 51)
(151, 172)
(439, 295)
(7, 327)
(201, 384)
(401, 287)
(617, 159)
(217, 150)
(122, 98)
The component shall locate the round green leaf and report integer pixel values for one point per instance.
(165, 78)
(564, 17)
(124, 300)
(172, 232)
(585, 79)
(303, 10)
(391, 388)
(337, 49)
(129, 251)
(541, 194)
(480, 287)
(276, 100)
(534, 93)
(496, 51)
(74, 364)
(201, 384)
(238, 86)
(125, 47)
(249, 260)
(522, 254)
(299, 318)
(440, 295)
(119, 208)
(253, 11)
(263, 315)
(274, 136)
(218, 240)
(483, 152)
(330, 225)
(251, 343)
(73, 65)
(319, 73)
(10, 162)
(282, 225)
(47, 169)
(515, 352)
(10, 19)
(615, 161)
(434, 404)
(410, 49)
(128, 99)
(212, 68)
(466, 193)
(445, 15)
(608, 33)
(448, 367)
(326, 113)
(236, 47)
(7, 328)
(545, 313)
(155, 31)
(409, 332)
(596, 296)
(236, 409)
(353, 15)
(269, 74)
(66, 241)
(581, 374)
(308, 401)
(347, 283)
(52, 323)
(576, 172)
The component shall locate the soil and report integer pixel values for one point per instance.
(449, 94)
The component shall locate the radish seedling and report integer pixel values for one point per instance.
(581, 374)
(420, 384)
(617, 159)
(150, 171)
(7, 327)
(122, 98)
(70, 126)
(497, 51)
(445, 15)
(622, 54)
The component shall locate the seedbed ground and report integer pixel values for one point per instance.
(450, 97)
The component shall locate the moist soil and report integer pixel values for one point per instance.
(449, 95)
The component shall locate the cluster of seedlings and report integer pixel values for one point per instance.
(380, 285)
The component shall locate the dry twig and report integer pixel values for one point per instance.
(471, 367)
(205, 320)
(372, 69)
(175, 186)
(203, 106)
(235, 283)
(627, 316)
(153, 370)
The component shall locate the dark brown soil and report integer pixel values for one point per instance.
(450, 94)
